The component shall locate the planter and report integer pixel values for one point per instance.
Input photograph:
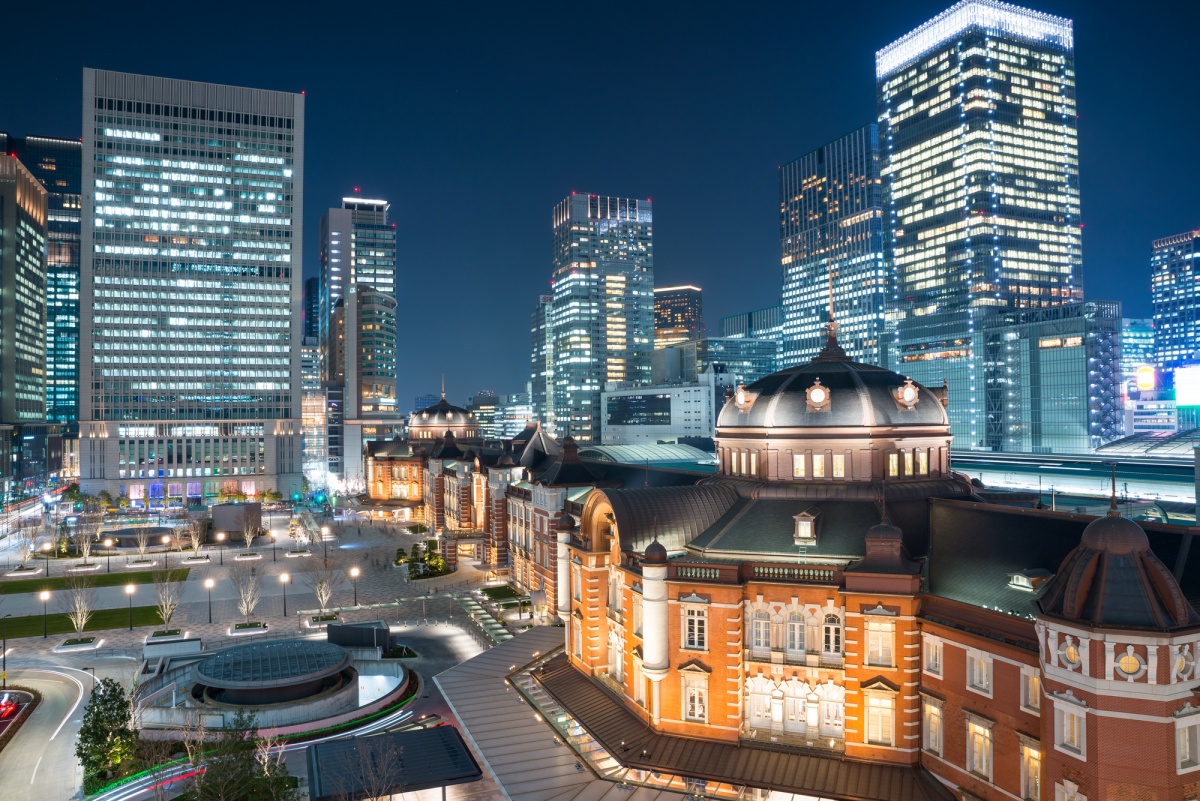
(242, 629)
(78, 644)
(141, 563)
(297, 554)
(92, 568)
(319, 621)
(167, 636)
(247, 557)
(29, 571)
(196, 560)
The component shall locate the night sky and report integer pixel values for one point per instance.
(475, 119)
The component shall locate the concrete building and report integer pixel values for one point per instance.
(678, 315)
(734, 360)
(55, 163)
(662, 413)
(602, 307)
(831, 245)
(978, 125)
(358, 246)
(514, 413)
(1175, 289)
(190, 289)
(22, 294)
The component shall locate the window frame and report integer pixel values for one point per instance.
(979, 731)
(694, 638)
(1187, 737)
(931, 644)
(1068, 713)
(880, 712)
(880, 633)
(931, 708)
(978, 660)
(1031, 690)
(1031, 780)
(694, 685)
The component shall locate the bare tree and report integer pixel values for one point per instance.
(195, 535)
(167, 595)
(142, 538)
(84, 538)
(79, 601)
(25, 538)
(248, 534)
(247, 584)
(323, 579)
(373, 772)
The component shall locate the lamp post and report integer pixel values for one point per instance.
(4, 656)
(46, 549)
(221, 540)
(166, 540)
(274, 542)
(45, 596)
(108, 543)
(324, 547)
(354, 578)
(129, 588)
(283, 579)
(93, 670)
(208, 585)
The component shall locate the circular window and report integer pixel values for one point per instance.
(817, 395)
(1068, 652)
(909, 394)
(1129, 664)
(1185, 663)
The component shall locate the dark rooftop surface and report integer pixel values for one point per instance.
(390, 763)
(774, 768)
(673, 515)
(271, 663)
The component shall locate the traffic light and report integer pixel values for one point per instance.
(295, 496)
(320, 497)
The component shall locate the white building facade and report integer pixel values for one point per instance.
(190, 289)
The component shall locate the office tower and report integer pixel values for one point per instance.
(831, 240)
(513, 415)
(678, 315)
(602, 312)
(1137, 352)
(358, 246)
(422, 402)
(483, 405)
(312, 411)
(23, 214)
(1053, 378)
(55, 163)
(735, 361)
(1175, 290)
(981, 177)
(541, 361)
(761, 324)
(190, 289)
(312, 308)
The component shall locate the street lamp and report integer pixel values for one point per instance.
(45, 596)
(354, 577)
(129, 588)
(93, 670)
(166, 540)
(274, 542)
(108, 543)
(324, 540)
(283, 579)
(221, 539)
(208, 585)
(4, 657)
(46, 548)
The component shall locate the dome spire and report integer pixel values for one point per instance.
(1112, 502)
(832, 350)
(443, 386)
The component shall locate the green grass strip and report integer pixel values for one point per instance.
(101, 579)
(103, 619)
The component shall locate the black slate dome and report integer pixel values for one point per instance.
(859, 395)
(442, 415)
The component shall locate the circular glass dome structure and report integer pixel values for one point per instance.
(272, 672)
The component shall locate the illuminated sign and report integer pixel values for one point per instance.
(1059, 342)
(1145, 377)
(1187, 386)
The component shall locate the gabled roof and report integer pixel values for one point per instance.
(567, 470)
(534, 446)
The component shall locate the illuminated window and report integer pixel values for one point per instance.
(797, 465)
(932, 733)
(881, 717)
(760, 633)
(932, 649)
(743, 471)
(881, 636)
(979, 672)
(839, 465)
(1031, 690)
(1070, 730)
(754, 463)
(1031, 772)
(818, 465)
(923, 462)
(893, 464)
(695, 697)
(908, 463)
(979, 746)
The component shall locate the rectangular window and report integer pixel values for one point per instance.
(797, 465)
(695, 629)
(979, 672)
(760, 634)
(743, 471)
(923, 462)
(637, 615)
(1031, 690)
(908, 463)
(979, 748)
(1070, 731)
(754, 463)
(639, 683)
(839, 465)
(818, 465)
(576, 582)
(880, 719)
(933, 655)
(1187, 746)
(881, 635)
(1031, 772)
(931, 736)
(695, 697)
(893, 464)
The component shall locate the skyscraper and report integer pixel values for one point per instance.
(190, 289)
(602, 312)
(1137, 349)
(55, 163)
(831, 230)
(981, 174)
(358, 246)
(1175, 290)
(312, 307)
(541, 360)
(22, 294)
(678, 315)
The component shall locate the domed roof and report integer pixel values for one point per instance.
(833, 392)
(656, 554)
(441, 415)
(1113, 579)
(565, 522)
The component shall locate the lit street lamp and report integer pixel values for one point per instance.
(324, 540)
(129, 588)
(221, 539)
(108, 543)
(45, 596)
(283, 579)
(354, 578)
(166, 540)
(208, 585)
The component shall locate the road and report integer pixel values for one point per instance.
(39, 764)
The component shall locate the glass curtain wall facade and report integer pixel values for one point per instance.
(602, 312)
(56, 164)
(978, 125)
(23, 203)
(1053, 378)
(831, 230)
(1175, 291)
(190, 289)
(541, 360)
(678, 315)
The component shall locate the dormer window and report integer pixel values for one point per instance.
(817, 396)
(806, 528)
(906, 396)
(1030, 579)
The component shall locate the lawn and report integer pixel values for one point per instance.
(16, 586)
(497, 593)
(118, 618)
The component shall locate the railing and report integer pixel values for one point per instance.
(824, 575)
(697, 572)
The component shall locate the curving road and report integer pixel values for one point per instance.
(39, 763)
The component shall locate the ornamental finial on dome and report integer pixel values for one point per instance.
(832, 352)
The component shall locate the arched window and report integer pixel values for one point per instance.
(795, 636)
(760, 633)
(832, 644)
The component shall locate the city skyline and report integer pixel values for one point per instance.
(729, 108)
